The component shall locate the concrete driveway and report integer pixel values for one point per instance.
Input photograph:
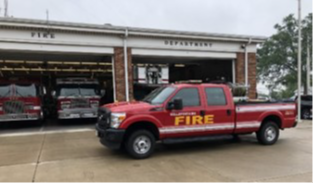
(78, 156)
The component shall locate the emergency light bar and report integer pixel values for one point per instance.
(189, 82)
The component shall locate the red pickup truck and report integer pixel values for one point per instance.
(189, 112)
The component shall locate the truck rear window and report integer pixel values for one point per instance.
(215, 96)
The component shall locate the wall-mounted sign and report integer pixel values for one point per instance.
(44, 35)
(187, 43)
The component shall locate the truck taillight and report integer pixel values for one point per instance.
(65, 104)
(94, 103)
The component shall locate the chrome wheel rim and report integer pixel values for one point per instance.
(270, 133)
(142, 144)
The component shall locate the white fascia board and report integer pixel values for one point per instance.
(183, 54)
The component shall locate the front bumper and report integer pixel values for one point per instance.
(111, 138)
(78, 113)
(20, 117)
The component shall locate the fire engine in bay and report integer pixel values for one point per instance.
(21, 100)
(77, 98)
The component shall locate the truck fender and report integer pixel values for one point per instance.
(270, 113)
(140, 118)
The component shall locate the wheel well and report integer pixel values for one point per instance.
(274, 119)
(143, 125)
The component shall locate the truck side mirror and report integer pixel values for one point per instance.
(176, 104)
(44, 91)
(53, 93)
(102, 92)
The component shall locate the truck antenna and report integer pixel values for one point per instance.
(47, 15)
(6, 5)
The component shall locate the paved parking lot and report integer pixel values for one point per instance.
(75, 154)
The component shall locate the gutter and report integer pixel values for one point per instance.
(246, 63)
(126, 65)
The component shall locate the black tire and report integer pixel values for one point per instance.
(305, 113)
(268, 133)
(144, 139)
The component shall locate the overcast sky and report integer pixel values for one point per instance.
(248, 17)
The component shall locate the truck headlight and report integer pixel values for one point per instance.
(65, 104)
(116, 119)
(94, 104)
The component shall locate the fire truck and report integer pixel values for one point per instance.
(21, 100)
(189, 112)
(77, 98)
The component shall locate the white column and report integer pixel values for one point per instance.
(234, 70)
(113, 79)
(299, 61)
(308, 68)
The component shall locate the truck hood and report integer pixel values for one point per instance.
(129, 106)
(78, 96)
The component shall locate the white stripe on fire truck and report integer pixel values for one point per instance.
(253, 124)
(37, 107)
(263, 108)
(211, 127)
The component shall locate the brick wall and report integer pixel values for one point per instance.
(119, 70)
(240, 72)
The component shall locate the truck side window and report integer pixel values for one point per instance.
(215, 96)
(190, 97)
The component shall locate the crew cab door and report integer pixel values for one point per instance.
(220, 108)
(178, 123)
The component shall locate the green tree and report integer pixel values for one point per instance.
(278, 56)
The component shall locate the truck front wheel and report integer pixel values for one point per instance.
(268, 133)
(140, 144)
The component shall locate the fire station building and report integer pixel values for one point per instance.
(46, 50)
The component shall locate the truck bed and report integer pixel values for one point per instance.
(253, 113)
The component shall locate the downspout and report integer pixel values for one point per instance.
(246, 63)
(126, 66)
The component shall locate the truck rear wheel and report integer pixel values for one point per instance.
(268, 133)
(140, 144)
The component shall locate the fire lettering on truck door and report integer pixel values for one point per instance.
(194, 120)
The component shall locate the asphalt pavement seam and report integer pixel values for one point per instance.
(38, 159)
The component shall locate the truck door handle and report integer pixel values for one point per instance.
(202, 113)
(228, 112)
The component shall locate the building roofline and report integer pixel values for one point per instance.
(132, 31)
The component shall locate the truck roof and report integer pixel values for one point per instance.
(77, 81)
(180, 85)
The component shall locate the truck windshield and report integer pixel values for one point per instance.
(78, 90)
(27, 90)
(5, 90)
(159, 95)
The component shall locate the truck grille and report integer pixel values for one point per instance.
(13, 107)
(104, 118)
(80, 103)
